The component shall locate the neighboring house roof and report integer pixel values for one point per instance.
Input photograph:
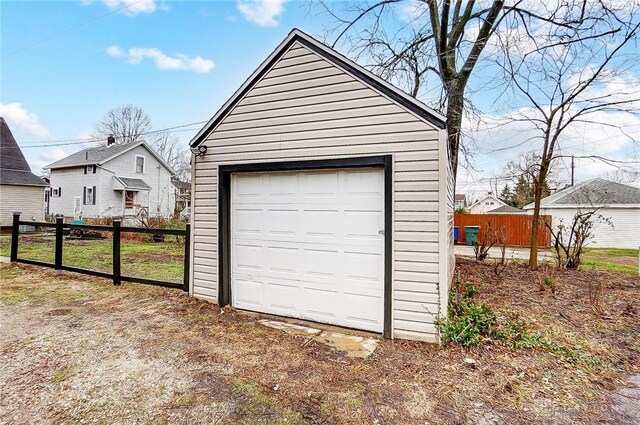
(507, 209)
(129, 183)
(102, 154)
(14, 169)
(493, 198)
(594, 192)
(460, 197)
(365, 76)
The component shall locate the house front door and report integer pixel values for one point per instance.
(129, 196)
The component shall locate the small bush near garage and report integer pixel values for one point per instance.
(471, 323)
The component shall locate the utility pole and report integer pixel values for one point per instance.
(573, 169)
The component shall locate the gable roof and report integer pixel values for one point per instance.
(506, 209)
(365, 76)
(485, 198)
(131, 183)
(594, 192)
(102, 154)
(14, 168)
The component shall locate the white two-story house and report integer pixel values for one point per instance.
(117, 180)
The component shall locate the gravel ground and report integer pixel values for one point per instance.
(75, 349)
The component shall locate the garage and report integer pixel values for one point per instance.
(323, 193)
(310, 245)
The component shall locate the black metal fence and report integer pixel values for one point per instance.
(60, 226)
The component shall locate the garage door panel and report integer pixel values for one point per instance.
(281, 222)
(363, 308)
(282, 259)
(248, 257)
(283, 185)
(363, 183)
(248, 292)
(320, 222)
(282, 297)
(324, 184)
(249, 185)
(317, 262)
(364, 267)
(248, 221)
(309, 245)
(363, 224)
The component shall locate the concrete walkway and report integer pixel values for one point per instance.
(512, 253)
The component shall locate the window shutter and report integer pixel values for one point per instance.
(85, 169)
(93, 201)
(84, 195)
(94, 169)
(59, 191)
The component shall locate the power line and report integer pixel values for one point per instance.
(66, 142)
(67, 31)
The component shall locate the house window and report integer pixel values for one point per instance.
(56, 192)
(90, 169)
(128, 199)
(139, 164)
(89, 195)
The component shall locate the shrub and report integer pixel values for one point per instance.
(471, 323)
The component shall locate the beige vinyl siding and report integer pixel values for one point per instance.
(306, 108)
(29, 200)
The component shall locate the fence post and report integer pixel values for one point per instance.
(58, 252)
(117, 276)
(187, 260)
(15, 233)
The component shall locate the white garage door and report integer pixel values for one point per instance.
(310, 245)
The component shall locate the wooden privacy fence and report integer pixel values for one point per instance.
(116, 231)
(517, 226)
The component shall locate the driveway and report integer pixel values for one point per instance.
(512, 253)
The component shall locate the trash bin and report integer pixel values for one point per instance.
(456, 229)
(471, 233)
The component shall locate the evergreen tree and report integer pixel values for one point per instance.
(506, 196)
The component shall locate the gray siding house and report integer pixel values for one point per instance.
(322, 192)
(117, 180)
(20, 189)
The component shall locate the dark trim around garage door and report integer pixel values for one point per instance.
(224, 215)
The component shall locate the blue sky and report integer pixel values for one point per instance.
(187, 59)
(66, 63)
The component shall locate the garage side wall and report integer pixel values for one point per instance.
(307, 108)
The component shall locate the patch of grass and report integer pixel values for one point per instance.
(185, 399)
(61, 375)
(16, 295)
(256, 401)
(589, 264)
(148, 259)
(610, 259)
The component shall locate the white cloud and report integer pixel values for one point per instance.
(136, 55)
(54, 154)
(132, 7)
(19, 118)
(264, 13)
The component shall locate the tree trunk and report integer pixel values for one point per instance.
(535, 222)
(455, 109)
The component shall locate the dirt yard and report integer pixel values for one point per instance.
(75, 349)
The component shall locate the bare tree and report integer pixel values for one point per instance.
(563, 76)
(130, 124)
(441, 38)
(447, 38)
(127, 123)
